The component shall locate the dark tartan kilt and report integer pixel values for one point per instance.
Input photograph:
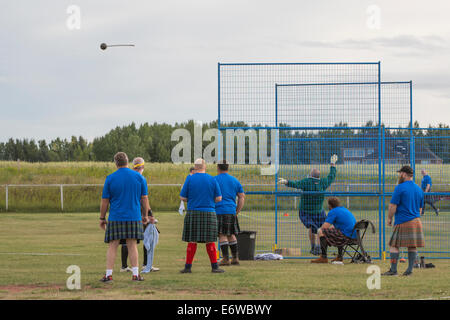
(408, 234)
(118, 230)
(200, 226)
(228, 224)
(335, 238)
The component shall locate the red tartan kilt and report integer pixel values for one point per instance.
(408, 234)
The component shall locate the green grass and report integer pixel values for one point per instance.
(77, 239)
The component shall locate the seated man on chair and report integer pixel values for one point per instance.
(337, 231)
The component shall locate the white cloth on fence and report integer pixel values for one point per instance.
(151, 237)
(268, 256)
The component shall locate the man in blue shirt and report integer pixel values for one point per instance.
(124, 192)
(406, 205)
(227, 212)
(201, 191)
(337, 231)
(426, 187)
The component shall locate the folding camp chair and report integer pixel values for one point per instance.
(359, 255)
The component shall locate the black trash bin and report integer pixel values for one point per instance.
(246, 245)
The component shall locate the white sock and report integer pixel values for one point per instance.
(109, 272)
(135, 271)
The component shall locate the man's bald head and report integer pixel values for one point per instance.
(200, 165)
(315, 173)
(424, 172)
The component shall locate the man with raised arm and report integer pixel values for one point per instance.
(311, 211)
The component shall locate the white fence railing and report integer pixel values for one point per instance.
(348, 188)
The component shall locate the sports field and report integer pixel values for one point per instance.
(37, 248)
(291, 233)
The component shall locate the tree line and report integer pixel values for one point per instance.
(153, 142)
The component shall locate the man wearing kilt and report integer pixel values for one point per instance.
(201, 191)
(406, 204)
(337, 231)
(124, 192)
(227, 212)
(311, 211)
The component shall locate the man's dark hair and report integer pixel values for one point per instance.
(408, 170)
(191, 169)
(121, 159)
(333, 202)
(223, 165)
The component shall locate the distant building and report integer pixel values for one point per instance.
(397, 152)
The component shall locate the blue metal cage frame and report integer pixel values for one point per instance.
(386, 93)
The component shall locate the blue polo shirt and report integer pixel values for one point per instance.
(124, 189)
(230, 187)
(200, 189)
(426, 180)
(343, 220)
(409, 199)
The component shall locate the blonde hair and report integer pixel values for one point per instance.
(138, 163)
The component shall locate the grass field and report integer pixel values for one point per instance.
(36, 249)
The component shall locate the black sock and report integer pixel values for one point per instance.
(224, 248)
(124, 256)
(234, 249)
(145, 256)
(434, 207)
(323, 246)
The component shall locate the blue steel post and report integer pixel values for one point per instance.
(384, 191)
(412, 147)
(276, 166)
(219, 133)
(380, 200)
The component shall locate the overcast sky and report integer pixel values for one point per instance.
(57, 82)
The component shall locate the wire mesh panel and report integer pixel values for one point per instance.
(432, 159)
(396, 104)
(327, 105)
(357, 150)
(293, 238)
(294, 117)
(259, 215)
(247, 91)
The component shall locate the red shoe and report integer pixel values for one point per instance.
(137, 278)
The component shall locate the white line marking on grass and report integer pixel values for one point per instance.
(435, 298)
(42, 254)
